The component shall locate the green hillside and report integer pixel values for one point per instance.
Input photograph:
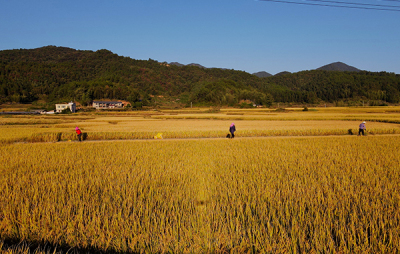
(56, 74)
(332, 86)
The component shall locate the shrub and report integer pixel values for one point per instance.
(66, 111)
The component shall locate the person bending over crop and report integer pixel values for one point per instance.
(232, 130)
(79, 133)
(362, 129)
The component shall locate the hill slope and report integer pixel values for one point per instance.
(57, 74)
(331, 86)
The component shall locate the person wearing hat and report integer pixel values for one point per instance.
(232, 130)
(362, 129)
(79, 133)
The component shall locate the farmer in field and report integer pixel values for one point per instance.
(232, 130)
(79, 133)
(362, 129)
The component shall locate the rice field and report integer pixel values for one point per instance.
(312, 188)
(282, 195)
(188, 124)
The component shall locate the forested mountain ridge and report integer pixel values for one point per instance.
(56, 74)
(330, 86)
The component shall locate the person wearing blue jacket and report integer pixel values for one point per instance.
(362, 129)
(232, 130)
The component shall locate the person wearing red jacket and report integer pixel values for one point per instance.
(79, 133)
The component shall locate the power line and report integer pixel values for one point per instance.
(362, 4)
(338, 6)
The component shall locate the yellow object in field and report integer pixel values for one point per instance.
(158, 136)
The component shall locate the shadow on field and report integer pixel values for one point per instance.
(13, 245)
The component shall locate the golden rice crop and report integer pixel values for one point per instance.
(189, 124)
(280, 195)
(66, 136)
(134, 125)
(104, 128)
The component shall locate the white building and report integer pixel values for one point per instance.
(107, 104)
(61, 107)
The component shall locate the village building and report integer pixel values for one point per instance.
(61, 107)
(107, 104)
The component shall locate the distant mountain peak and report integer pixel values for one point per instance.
(197, 65)
(176, 63)
(192, 64)
(262, 74)
(338, 66)
(282, 73)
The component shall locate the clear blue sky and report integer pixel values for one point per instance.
(243, 35)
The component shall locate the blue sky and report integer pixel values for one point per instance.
(245, 35)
